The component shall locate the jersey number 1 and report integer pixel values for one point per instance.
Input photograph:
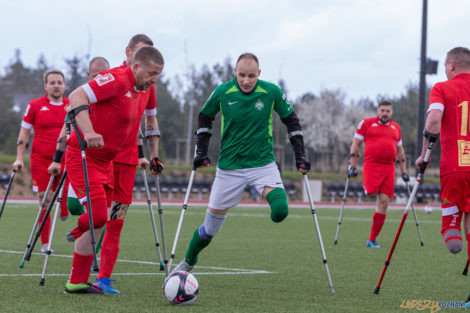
(464, 125)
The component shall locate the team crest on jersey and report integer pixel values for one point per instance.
(44, 108)
(80, 192)
(104, 79)
(393, 126)
(259, 105)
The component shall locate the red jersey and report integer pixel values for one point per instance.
(147, 105)
(114, 110)
(47, 119)
(452, 97)
(381, 140)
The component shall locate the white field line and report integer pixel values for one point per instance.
(224, 270)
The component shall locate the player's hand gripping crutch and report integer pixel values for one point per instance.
(28, 244)
(51, 235)
(7, 192)
(152, 218)
(340, 219)
(432, 140)
(317, 228)
(414, 214)
(46, 215)
(82, 143)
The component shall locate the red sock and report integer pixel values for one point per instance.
(81, 266)
(64, 211)
(47, 226)
(100, 216)
(110, 247)
(378, 221)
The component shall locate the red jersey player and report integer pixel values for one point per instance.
(448, 114)
(46, 116)
(383, 145)
(124, 168)
(107, 126)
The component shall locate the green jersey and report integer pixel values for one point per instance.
(247, 122)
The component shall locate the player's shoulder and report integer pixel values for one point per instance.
(370, 120)
(268, 87)
(394, 125)
(115, 75)
(38, 101)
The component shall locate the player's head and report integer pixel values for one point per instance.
(457, 61)
(54, 84)
(384, 111)
(96, 66)
(137, 41)
(247, 72)
(147, 65)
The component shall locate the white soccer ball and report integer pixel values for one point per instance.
(181, 288)
(428, 209)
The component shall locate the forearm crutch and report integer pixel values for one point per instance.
(414, 214)
(35, 225)
(422, 168)
(180, 223)
(51, 235)
(317, 228)
(7, 192)
(342, 209)
(82, 143)
(152, 218)
(46, 214)
(162, 229)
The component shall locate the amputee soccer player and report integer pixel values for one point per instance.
(383, 145)
(124, 167)
(448, 115)
(95, 66)
(246, 155)
(46, 116)
(115, 99)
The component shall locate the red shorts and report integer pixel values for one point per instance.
(98, 175)
(455, 195)
(40, 175)
(379, 178)
(124, 177)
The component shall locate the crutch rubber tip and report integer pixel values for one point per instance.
(332, 290)
(422, 244)
(162, 268)
(376, 290)
(96, 268)
(41, 282)
(21, 264)
(336, 242)
(464, 272)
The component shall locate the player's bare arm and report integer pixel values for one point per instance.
(401, 159)
(78, 98)
(354, 152)
(433, 126)
(55, 167)
(21, 146)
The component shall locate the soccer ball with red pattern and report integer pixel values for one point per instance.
(181, 288)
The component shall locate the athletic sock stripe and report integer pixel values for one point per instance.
(453, 238)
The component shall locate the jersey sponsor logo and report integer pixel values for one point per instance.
(259, 105)
(44, 108)
(128, 94)
(232, 102)
(374, 125)
(464, 152)
(104, 79)
(27, 110)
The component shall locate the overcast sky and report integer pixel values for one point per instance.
(364, 47)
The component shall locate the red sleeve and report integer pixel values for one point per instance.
(152, 101)
(436, 98)
(102, 88)
(361, 129)
(29, 115)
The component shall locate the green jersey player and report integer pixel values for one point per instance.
(246, 105)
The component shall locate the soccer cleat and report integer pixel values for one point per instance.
(372, 244)
(104, 283)
(44, 248)
(182, 267)
(70, 237)
(85, 288)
